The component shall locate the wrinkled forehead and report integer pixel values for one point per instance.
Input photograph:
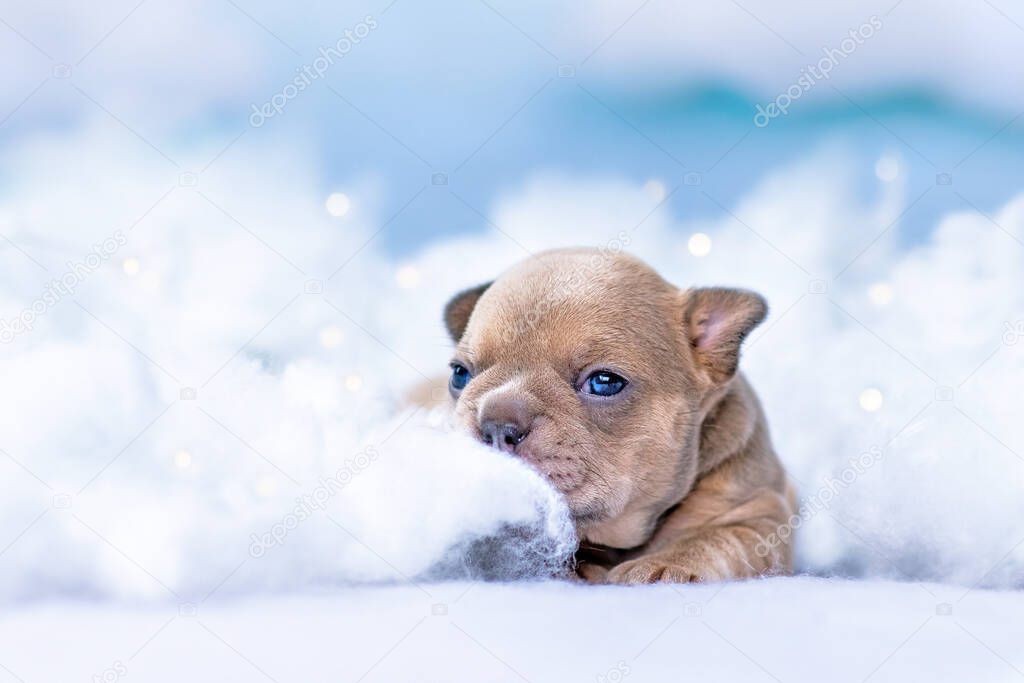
(580, 307)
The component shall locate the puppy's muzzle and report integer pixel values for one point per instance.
(505, 423)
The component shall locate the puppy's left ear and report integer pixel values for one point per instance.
(717, 321)
(458, 310)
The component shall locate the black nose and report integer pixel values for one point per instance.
(504, 436)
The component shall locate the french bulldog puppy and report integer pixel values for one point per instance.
(623, 390)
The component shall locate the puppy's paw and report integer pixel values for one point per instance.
(592, 573)
(655, 569)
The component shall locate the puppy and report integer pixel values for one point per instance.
(623, 391)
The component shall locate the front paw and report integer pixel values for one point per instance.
(657, 569)
(591, 573)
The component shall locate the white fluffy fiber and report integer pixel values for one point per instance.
(291, 389)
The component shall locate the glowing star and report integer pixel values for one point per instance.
(130, 266)
(182, 459)
(880, 293)
(338, 204)
(331, 337)
(266, 487)
(871, 400)
(887, 168)
(655, 189)
(407, 277)
(699, 244)
(353, 383)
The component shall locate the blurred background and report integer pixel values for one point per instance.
(375, 100)
(227, 229)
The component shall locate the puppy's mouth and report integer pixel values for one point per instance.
(559, 465)
(571, 478)
(552, 451)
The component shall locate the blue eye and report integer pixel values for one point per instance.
(604, 383)
(460, 377)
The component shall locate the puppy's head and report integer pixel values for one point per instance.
(597, 372)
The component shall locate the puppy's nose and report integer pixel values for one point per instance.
(505, 423)
(503, 436)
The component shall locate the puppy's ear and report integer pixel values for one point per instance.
(717, 321)
(458, 310)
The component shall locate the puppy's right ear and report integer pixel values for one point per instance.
(717, 321)
(458, 310)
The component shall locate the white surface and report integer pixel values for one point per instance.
(782, 629)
